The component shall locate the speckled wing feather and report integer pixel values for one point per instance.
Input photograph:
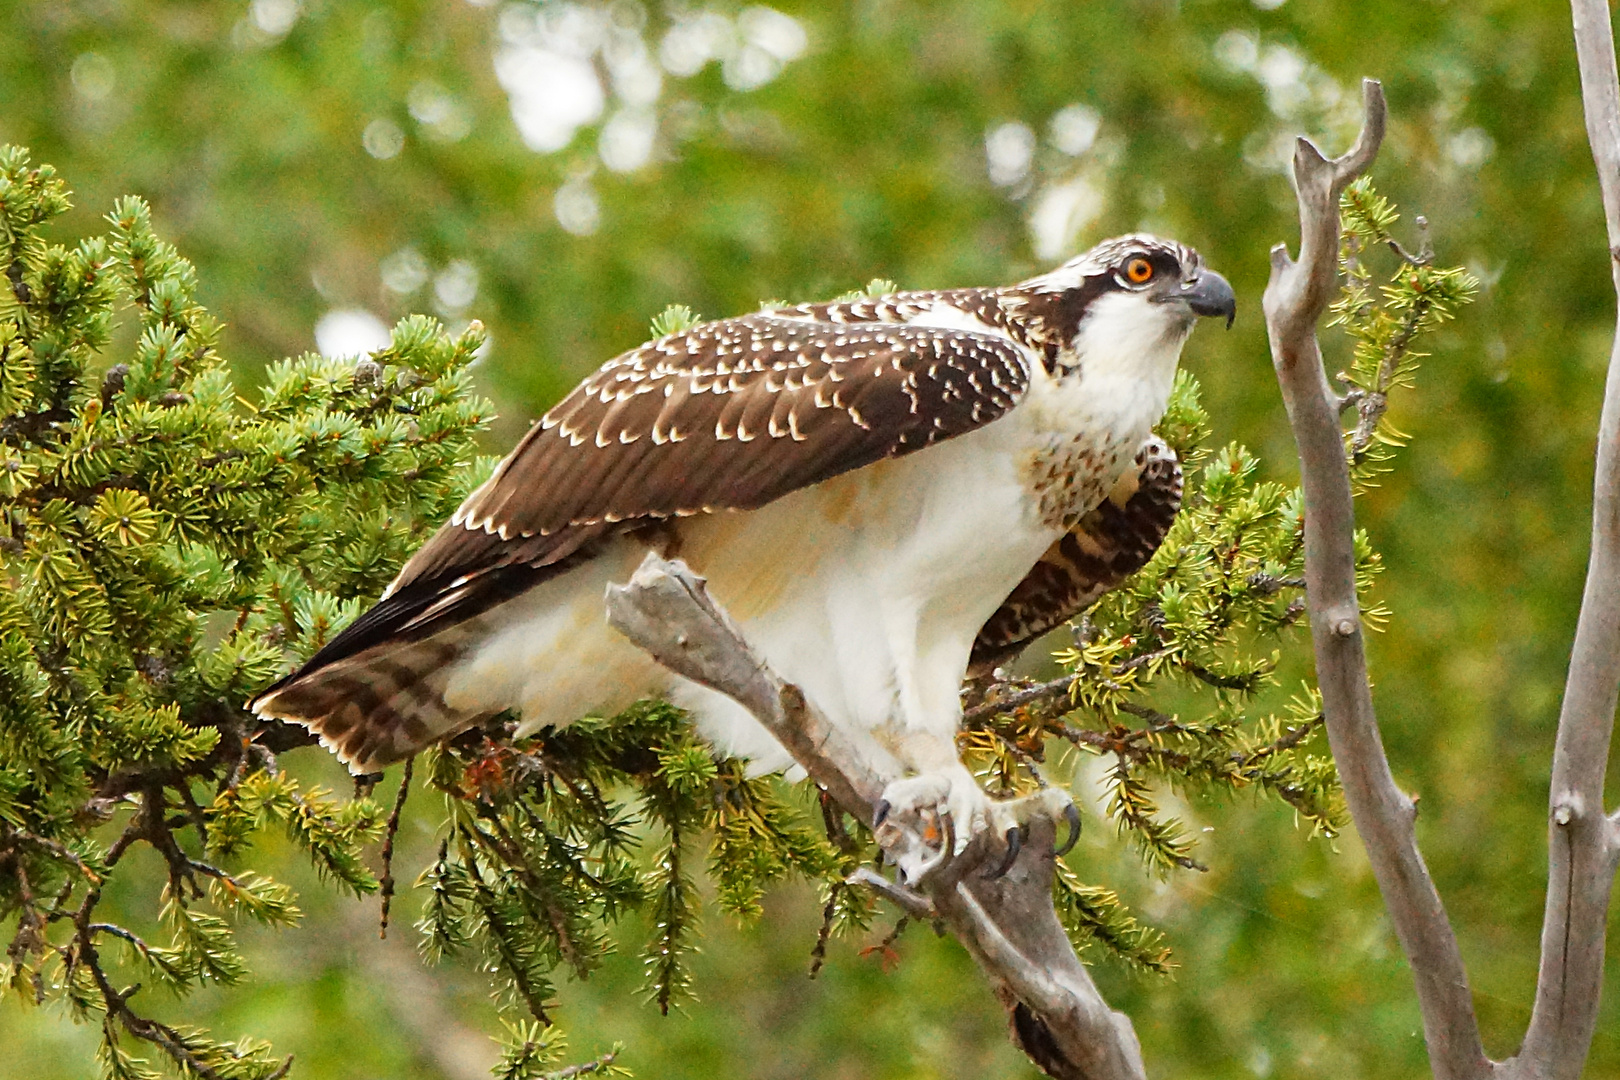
(729, 415)
(1108, 545)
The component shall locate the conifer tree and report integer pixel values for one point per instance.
(167, 548)
(170, 546)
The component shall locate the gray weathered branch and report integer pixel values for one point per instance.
(1294, 302)
(1008, 924)
(666, 610)
(1583, 843)
(1582, 847)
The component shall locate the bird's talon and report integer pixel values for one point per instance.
(1015, 842)
(1071, 814)
(880, 813)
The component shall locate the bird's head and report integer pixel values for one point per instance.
(1136, 288)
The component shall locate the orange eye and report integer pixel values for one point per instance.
(1138, 270)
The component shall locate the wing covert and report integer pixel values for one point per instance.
(730, 415)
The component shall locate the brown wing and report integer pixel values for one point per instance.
(728, 415)
(1108, 545)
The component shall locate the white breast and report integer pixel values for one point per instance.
(1118, 374)
(1086, 419)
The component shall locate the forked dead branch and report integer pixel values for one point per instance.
(1583, 852)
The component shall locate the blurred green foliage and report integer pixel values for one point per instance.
(246, 127)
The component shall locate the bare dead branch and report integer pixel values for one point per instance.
(586, 1068)
(1047, 691)
(1582, 848)
(666, 611)
(1007, 924)
(1294, 302)
(390, 831)
(914, 904)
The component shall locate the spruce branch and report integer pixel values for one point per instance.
(390, 831)
(140, 498)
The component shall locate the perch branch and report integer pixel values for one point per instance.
(1582, 848)
(1294, 302)
(667, 612)
(914, 904)
(1008, 924)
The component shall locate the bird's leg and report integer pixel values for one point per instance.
(927, 819)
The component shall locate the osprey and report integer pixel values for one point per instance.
(880, 491)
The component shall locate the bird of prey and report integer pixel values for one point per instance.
(880, 491)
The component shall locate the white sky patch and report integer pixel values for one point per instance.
(1060, 212)
(749, 68)
(438, 111)
(694, 41)
(404, 271)
(274, 17)
(456, 286)
(383, 139)
(1238, 50)
(1269, 151)
(552, 94)
(780, 35)
(1470, 148)
(1298, 92)
(1281, 71)
(568, 65)
(350, 332)
(576, 208)
(770, 40)
(637, 78)
(571, 29)
(751, 51)
(1074, 128)
(93, 76)
(1009, 150)
(627, 139)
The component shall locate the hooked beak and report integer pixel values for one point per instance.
(1209, 294)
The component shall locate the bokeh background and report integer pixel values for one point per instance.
(561, 171)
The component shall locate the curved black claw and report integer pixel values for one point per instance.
(1015, 841)
(1071, 814)
(880, 813)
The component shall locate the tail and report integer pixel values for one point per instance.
(377, 706)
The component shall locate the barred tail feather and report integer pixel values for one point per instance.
(377, 706)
